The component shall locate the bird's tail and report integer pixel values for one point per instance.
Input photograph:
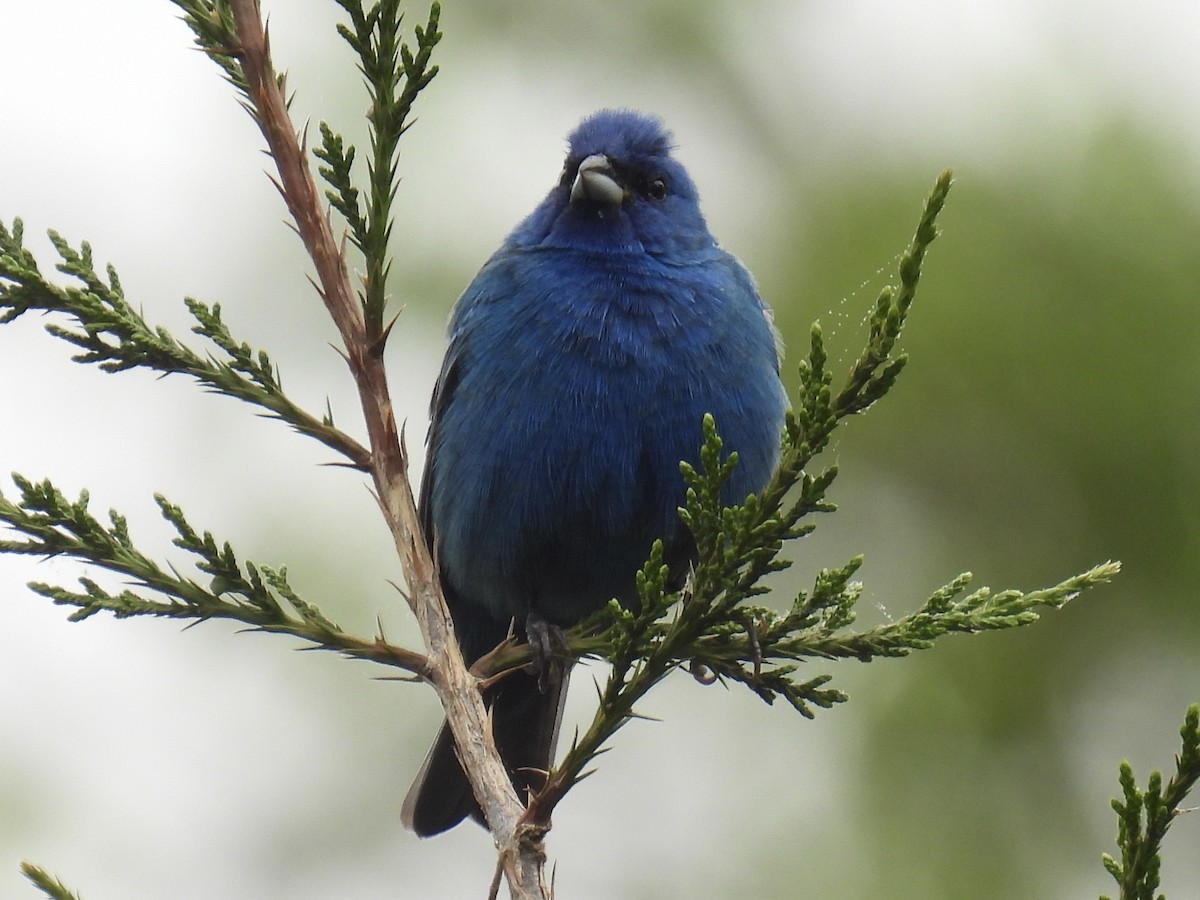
(525, 723)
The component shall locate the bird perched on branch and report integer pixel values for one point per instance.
(581, 362)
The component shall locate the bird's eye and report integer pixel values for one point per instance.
(656, 188)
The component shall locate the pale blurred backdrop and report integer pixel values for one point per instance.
(1047, 422)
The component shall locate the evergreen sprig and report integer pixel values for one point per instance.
(213, 26)
(47, 883)
(394, 76)
(110, 333)
(1145, 816)
(48, 524)
(876, 369)
(709, 626)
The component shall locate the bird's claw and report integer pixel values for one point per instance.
(547, 647)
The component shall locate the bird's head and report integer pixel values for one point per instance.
(620, 190)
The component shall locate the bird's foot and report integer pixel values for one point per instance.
(548, 647)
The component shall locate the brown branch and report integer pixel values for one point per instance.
(376, 651)
(521, 849)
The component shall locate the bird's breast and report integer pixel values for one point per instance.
(582, 384)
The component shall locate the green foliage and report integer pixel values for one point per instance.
(46, 883)
(112, 334)
(213, 25)
(1144, 817)
(394, 76)
(256, 595)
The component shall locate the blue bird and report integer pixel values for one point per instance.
(581, 362)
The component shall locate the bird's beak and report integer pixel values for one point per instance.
(597, 182)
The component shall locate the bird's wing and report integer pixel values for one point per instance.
(443, 393)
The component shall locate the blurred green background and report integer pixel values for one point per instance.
(1047, 422)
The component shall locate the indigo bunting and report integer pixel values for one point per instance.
(581, 362)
